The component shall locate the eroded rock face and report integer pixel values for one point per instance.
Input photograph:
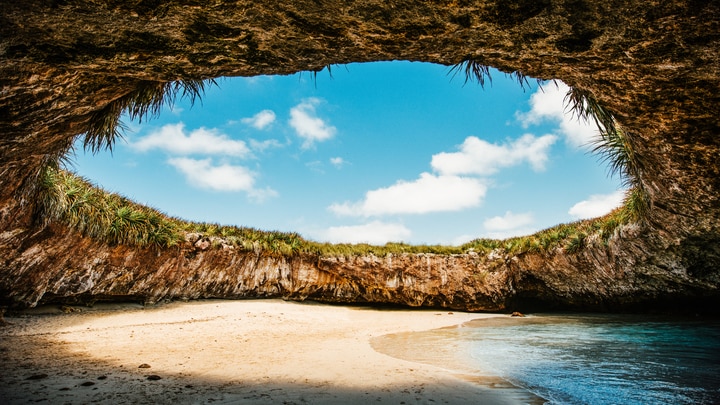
(654, 65)
(57, 265)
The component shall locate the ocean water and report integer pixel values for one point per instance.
(581, 359)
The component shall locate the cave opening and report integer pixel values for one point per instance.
(64, 68)
(365, 153)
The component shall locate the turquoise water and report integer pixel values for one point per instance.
(588, 359)
(603, 359)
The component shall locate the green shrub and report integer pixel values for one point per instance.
(107, 217)
(114, 219)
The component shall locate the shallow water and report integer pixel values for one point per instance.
(586, 359)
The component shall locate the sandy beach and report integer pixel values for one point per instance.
(256, 352)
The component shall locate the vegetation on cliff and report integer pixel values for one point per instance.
(113, 219)
(104, 216)
(613, 145)
(146, 101)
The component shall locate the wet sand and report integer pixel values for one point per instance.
(254, 352)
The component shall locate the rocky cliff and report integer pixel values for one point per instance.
(654, 65)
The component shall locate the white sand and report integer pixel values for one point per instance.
(264, 351)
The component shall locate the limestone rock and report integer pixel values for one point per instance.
(653, 65)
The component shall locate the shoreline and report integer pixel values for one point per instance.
(249, 351)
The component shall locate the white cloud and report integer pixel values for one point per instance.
(202, 173)
(480, 157)
(508, 221)
(260, 120)
(307, 125)
(173, 138)
(260, 195)
(548, 104)
(597, 205)
(261, 146)
(375, 233)
(429, 193)
(337, 162)
(316, 166)
(509, 225)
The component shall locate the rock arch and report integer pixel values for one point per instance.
(655, 66)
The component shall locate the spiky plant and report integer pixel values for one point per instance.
(101, 215)
(315, 72)
(576, 243)
(473, 71)
(636, 206)
(476, 71)
(614, 146)
(146, 101)
(585, 106)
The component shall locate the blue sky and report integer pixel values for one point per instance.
(387, 151)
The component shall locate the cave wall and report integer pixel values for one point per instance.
(654, 65)
(57, 265)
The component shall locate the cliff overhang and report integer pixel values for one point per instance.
(655, 67)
